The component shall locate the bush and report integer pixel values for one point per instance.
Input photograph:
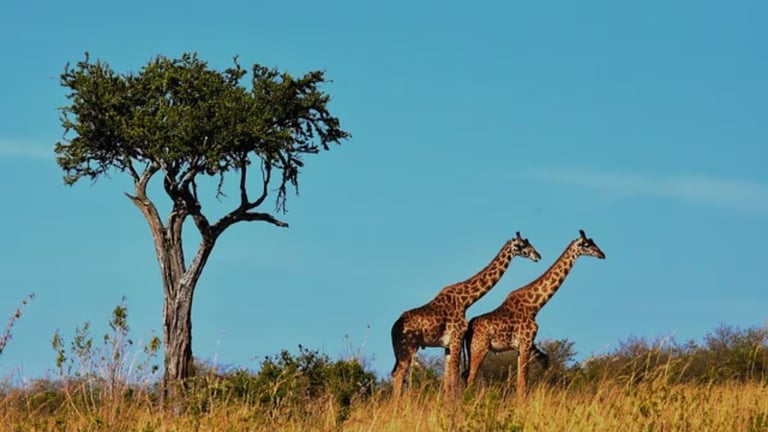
(287, 381)
(727, 354)
(501, 368)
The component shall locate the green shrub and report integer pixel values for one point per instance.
(286, 382)
(726, 354)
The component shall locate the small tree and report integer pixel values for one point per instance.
(182, 122)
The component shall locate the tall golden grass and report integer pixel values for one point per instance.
(652, 405)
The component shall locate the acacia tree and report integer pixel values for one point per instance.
(181, 122)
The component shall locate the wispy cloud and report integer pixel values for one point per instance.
(737, 194)
(24, 150)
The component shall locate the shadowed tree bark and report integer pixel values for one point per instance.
(180, 122)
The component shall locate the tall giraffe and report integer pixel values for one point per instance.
(442, 321)
(513, 324)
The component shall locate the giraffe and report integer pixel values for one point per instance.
(513, 324)
(442, 321)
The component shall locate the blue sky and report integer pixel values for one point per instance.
(643, 123)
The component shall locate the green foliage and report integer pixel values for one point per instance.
(734, 354)
(311, 374)
(727, 354)
(187, 119)
(286, 381)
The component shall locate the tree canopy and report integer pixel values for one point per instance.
(179, 116)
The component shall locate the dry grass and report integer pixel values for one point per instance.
(649, 406)
(112, 387)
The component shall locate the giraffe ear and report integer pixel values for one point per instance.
(581, 232)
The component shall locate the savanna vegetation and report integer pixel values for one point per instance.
(185, 125)
(110, 382)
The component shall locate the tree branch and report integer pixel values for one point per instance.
(193, 209)
(243, 190)
(241, 215)
(140, 199)
(134, 174)
(266, 217)
(184, 195)
(169, 269)
(266, 174)
(189, 175)
(195, 268)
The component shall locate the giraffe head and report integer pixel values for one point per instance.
(587, 247)
(522, 247)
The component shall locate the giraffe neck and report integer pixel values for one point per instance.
(538, 293)
(478, 285)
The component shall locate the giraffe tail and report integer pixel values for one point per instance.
(397, 335)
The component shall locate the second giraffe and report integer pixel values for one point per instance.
(513, 324)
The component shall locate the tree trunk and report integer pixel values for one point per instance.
(179, 282)
(177, 339)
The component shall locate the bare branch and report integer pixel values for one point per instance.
(219, 187)
(140, 184)
(241, 215)
(193, 209)
(148, 209)
(132, 170)
(266, 217)
(149, 171)
(189, 176)
(266, 174)
(243, 190)
(198, 262)
(184, 196)
(203, 225)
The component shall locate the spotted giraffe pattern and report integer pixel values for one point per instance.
(442, 321)
(513, 324)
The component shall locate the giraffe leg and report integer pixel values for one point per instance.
(522, 366)
(402, 364)
(476, 352)
(447, 378)
(452, 367)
